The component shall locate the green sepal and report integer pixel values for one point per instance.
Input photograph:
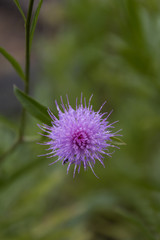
(117, 141)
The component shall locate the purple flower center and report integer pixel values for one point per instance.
(80, 140)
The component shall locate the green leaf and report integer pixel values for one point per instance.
(117, 141)
(20, 9)
(34, 22)
(13, 62)
(32, 106)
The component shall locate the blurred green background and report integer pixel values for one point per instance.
(112, 49)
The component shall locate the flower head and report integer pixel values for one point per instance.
(79, 136)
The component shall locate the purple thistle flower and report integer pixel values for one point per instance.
(80, 136)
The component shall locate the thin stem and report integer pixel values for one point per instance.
(27, 66)
(28, 26)
(27, 78)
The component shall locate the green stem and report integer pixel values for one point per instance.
(27, 78)
(27, 66)
(28, 27)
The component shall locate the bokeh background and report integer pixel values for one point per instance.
(109, 48)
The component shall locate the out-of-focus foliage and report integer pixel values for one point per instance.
(111, 49)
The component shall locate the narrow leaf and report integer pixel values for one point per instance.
(32, 106)
(20, 9)
(13, 62)
(34, 22)
(117, 141)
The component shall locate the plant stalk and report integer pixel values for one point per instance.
(27, 66)
(27, 80)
